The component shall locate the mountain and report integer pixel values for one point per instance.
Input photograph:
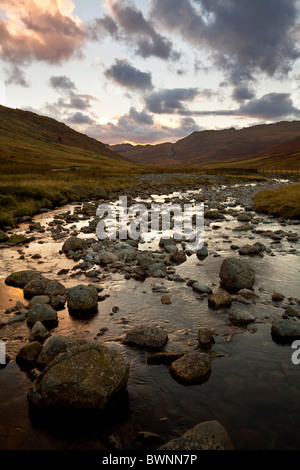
(30, 138)
(217, 146)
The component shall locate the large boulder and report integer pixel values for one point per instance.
(43, 313)
(192, 368)
(21, 278)
(210, 435)
(74, 244)
(82, 299)
(87, 376)
(236, 274)
(150, 338)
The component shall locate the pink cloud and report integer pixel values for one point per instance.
(42, 30)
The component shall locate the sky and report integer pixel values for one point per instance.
(150, 71)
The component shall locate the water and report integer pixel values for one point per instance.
(253, 389)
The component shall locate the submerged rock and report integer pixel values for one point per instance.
(150, 338)
(88, 376)
(192, 368)
(205, 338)
(201, 288)
(237, 274)
(210, 435)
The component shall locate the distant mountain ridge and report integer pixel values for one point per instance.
(217, 146)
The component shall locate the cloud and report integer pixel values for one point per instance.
(271, 107)
(242, 36)
(170, 101)
(132, 127)
(62, 83)
(127, 24)
(16, 76)
(128, 76)
(41, 30)
(242, 93)
(80, 118)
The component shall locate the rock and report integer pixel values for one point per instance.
(3, 237)
(286, 330)
(149, 438)
(205, 338)
(6, 319)
(163, 357)
(27, 355)
(18, 239)
(236, 274)
(244, 217)
(178, 257)
(201, 288)
(54, 346)
(35, 287)
(220, 299)
(165, 300)
(202, 253)
(247, 294)
(74, 244)
(39, 333)
(192, 368)
(87, 376)
(58, 302)
(145, 260)
(107, 257)
(214, 215)
(163, 242)
(293, 311)
(150, 338)
(276, 297)
(209, 435)
(39, 299)
(21, 278)
(42, 313)
(82, 299)
(243, 228)
(241, 318)
(250, 250)
(54, 288)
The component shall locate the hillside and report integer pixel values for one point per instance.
(30, 138)
(222, 146)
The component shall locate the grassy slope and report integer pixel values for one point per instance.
(281, 202)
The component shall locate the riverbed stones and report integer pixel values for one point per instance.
(43, 313)
(39, 299)
(21, 278)
(150, 338)
(82, 299)
(205, 338)
(39, 333)
(250, 250)
(241, 318)
(178, 257)
(286, 329)
(236, 274)
(192, 368)
(88, 376)
(277, 297)
(201, 288)
(74, 244)
(165, 300)
(28, 354)
(3, 237)
(209, 435)
(18, 240)
(292, 311)
(220, 299)
(202, 253)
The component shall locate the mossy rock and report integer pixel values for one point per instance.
(18, 239)
(3, 237)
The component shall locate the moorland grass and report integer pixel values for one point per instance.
(280, 202)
